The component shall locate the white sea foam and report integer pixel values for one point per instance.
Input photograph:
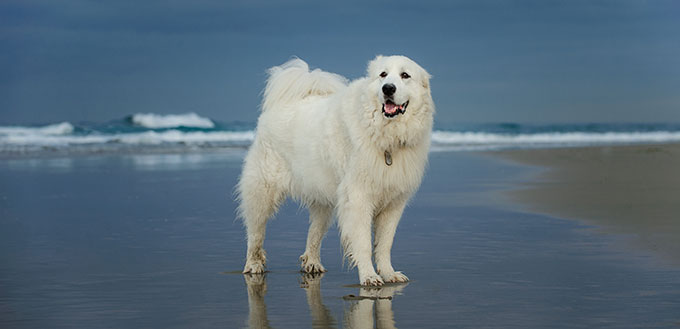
(156, 121)
(480, 139)
(176, 136)
(63, 128)
(142, 138)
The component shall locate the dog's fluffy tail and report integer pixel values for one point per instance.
(292, 82)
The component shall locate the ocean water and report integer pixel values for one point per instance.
(191, 132)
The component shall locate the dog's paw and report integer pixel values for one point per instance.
(311, 265)
(394, 277)
(373, 280)
(313, 268)
(255, 261)
(254, 267)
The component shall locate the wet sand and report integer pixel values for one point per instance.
(147, 241)
(628, 190)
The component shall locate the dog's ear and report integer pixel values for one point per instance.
(425, 78)
(373, 66)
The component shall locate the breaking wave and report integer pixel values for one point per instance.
(56, 129)
(156, 121)
(141, 133)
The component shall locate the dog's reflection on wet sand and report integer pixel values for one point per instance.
(361, 310)
(257, 309)
(321, 315)
(370, 308)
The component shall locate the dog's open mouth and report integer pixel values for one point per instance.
(390, 109)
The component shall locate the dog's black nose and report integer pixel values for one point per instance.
(389, 89)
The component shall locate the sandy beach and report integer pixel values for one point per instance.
(150, 240)
(628, 190)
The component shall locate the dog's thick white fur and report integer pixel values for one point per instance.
(327, 143)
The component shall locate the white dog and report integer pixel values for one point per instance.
(358, 150)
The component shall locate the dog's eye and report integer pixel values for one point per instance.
(384, 74)
(405, 75)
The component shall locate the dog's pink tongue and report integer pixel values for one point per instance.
(391, 108)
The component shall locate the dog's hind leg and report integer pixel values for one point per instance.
(261, 191)
(385, 227)
(320, 218)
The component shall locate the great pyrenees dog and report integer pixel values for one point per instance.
(356, 150)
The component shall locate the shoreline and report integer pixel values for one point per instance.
(630, 190)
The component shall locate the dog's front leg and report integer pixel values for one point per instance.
(355, 214)
(385, 228)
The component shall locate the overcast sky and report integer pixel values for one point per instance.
(492, 61)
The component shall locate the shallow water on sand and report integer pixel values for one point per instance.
(140, 241)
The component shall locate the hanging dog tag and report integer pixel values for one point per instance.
(388, 158)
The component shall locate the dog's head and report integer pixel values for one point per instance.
(399, 85)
